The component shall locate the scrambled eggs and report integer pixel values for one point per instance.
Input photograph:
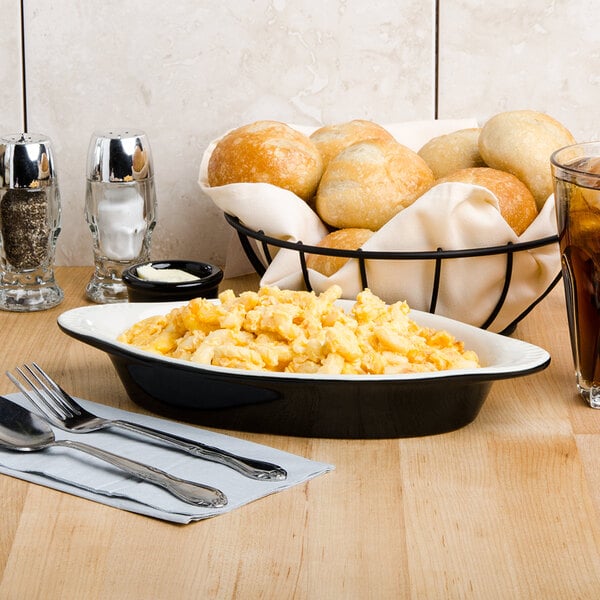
(300, 332)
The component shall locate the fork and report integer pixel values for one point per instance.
(63, 411)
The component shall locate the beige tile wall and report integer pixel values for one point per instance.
(11, 96)
(540, 54)
(188, 70)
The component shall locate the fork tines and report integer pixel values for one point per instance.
(43, 390)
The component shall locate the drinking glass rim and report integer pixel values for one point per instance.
(569, 167)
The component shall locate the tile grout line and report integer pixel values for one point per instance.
(436, 60)
(23, 67)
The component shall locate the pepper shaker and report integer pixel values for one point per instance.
(120, 209)
(30, 215)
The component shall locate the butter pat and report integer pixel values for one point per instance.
(149, 273)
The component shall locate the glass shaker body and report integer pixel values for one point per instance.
(30, 216)
(120, 210)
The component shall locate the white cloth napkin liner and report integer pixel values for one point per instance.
(451, 216)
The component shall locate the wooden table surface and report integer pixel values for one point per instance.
(507, 507)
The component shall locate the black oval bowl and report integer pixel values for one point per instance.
(142, 290)
(336, 406)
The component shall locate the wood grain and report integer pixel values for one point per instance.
(506, 507)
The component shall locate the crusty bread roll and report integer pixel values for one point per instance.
(454, 151)
(342, 239)
(516, 203)
(332, 139)
(368, 183)
(521, 143)
(267, 152)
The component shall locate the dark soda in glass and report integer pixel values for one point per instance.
(576, 171)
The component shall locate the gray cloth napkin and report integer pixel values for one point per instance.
(82, 475)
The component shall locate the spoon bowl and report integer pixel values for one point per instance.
(23, 430)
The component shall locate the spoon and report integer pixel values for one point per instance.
(24, 431)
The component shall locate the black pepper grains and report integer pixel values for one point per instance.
(30, 216)
(25, 228)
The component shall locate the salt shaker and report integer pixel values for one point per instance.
(30, 215)
(120, 209)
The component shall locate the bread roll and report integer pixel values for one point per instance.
(454, 151)
(342, 239)
(516, 203)
(332, 139)
(368, 183)
(521, 143)
(267, 152)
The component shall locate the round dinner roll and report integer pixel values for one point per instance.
(515, 201)
(342, 239)
(521, 143)
(332, 139)
(267, 152)
(369, 182)
(453, 151)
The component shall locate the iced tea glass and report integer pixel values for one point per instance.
(576, 174)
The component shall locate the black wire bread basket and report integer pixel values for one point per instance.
(251, 240)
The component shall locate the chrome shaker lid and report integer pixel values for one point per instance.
(117, 156)
(26, 161)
